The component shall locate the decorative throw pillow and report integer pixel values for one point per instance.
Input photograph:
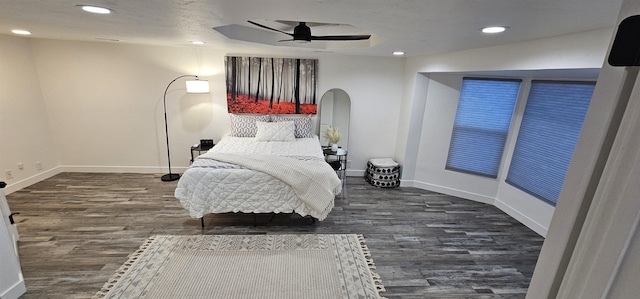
(245, 125)
(302, 124)
(277, 131)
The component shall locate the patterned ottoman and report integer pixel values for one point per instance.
(383, 173)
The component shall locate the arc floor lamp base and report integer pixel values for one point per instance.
(170, 177)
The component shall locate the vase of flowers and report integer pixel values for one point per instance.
(332, 134)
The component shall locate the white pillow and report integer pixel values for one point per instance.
(278, 131)
(245, 125)
(303, 124)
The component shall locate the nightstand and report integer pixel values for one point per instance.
(337, 160)
(197, 150)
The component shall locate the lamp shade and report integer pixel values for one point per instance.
(197, 86)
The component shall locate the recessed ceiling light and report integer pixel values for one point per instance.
(95, 9)
(20, 32)
(494, 29)
(398, 53)
(197, 42)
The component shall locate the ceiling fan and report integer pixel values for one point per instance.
(302, 33)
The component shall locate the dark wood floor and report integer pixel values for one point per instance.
(76, 229)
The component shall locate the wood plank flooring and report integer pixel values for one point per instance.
(76, 229)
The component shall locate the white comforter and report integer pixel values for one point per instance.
(212, 186)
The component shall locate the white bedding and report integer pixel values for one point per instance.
(211, 186)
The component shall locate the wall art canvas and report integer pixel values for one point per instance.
(271, 85)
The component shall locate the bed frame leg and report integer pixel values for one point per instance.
(202, 222)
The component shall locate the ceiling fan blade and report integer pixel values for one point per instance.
(341, 37)
(265, 27)
(302, 33)
(310, 24)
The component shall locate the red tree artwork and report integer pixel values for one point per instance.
(271, 85)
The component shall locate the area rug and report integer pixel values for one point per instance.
(247, 266)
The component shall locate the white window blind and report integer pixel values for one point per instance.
(482, 122)
(550, 128)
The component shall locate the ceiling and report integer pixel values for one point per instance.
(417, 27)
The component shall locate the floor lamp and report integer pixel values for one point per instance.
(193, 86)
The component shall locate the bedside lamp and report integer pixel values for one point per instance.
(193, 86)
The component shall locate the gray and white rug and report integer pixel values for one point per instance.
(247, 266)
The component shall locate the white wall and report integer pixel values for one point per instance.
(24, 126)
(104, 108)
(374, 86)
(433, 83)
(105, 103)
(437, 125)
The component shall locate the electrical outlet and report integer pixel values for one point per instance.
(9, 174)
(39, 165)
(21, 166)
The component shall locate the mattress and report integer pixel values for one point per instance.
(212, 186)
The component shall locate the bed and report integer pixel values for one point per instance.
(272, 168)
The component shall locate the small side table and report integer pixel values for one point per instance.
(337, 160)
(197, 150)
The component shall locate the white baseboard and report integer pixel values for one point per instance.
(449, 191)
(13, 187)
(406, 183)
(530, 223)
(15, 291)
(351, 172)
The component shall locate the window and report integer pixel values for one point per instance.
(550, 128)
(481, 125)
